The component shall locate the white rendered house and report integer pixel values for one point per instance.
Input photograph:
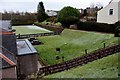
(109, 14)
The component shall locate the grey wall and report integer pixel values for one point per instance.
(28, 64)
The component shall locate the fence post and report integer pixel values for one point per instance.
(18, 36)
(85, 51)
(62, 58)
(104, 45)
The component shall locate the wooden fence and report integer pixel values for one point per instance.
(35, 35)
(100, 53)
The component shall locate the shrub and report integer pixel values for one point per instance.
(68, 15)
(51, 19)
(117, 23)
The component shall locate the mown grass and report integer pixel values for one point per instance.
(28, 30)
(106, 67)
(72, 44)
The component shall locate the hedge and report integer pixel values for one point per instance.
(98, 27)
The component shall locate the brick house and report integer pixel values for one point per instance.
(8, 61)
(18, 57)
(7, 54)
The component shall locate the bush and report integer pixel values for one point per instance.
(117, 23)
(68, 15)
(99, 27)
(51, 19)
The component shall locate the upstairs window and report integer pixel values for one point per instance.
(111, 12)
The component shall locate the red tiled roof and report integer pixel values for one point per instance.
(6, 33)
(3, 31)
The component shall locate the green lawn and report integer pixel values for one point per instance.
(72, 44)
(29, 29)
(106, 67)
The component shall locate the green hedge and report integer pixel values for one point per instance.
(16, 22)
(99, 27)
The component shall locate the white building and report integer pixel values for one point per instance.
(51, 13)
(109, 14)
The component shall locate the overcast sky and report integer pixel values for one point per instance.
(31, 5)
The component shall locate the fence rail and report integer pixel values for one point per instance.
(36, 35)
(100, 53)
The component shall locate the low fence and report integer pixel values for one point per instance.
(80, 60)
(19, 36)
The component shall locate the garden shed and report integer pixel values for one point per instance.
(27, 58)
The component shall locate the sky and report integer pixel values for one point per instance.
(31, 5)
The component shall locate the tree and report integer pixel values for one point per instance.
(67, 16)
(41, 15)
(99, 5)
(85, 12)
(92, 5)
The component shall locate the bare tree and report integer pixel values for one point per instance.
(99, 5)
(92, 5)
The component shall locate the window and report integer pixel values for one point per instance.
(111, 12)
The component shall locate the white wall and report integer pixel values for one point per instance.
(119, 11)
(104, 17)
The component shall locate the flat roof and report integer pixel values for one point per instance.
(24, 47)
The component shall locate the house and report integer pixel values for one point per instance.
(8, 38)
(27, 58)
(51, 13)
(91, 11)
(18, 57)
(81, 11)
(109, 14)
(7, 53)
(8, 61)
